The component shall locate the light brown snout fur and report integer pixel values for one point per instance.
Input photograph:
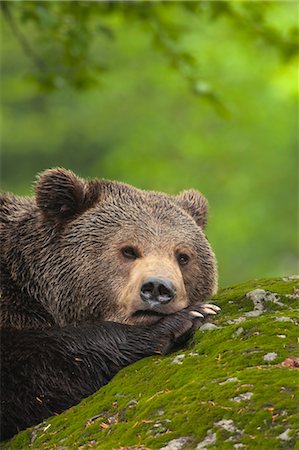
(157, 266)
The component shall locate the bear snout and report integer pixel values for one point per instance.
(155, 288)
(157, 291)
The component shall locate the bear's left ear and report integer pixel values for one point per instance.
(61, 195)
(195, 204)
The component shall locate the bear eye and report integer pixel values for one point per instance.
(130, 252)
(182, 259)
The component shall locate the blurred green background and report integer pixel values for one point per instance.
(165, 96)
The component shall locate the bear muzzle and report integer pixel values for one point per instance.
(158, 296)
(155, 288)
(157, 291)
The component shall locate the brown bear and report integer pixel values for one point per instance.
(95, 275)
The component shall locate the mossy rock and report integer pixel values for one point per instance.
(233, 386)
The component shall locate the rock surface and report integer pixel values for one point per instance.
(219, 393)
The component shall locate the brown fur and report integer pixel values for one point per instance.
(76, 261)
(61, 252)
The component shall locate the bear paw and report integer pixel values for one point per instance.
(176, 329)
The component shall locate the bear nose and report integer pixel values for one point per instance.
(157, 290)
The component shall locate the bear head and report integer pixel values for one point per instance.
(114, 252)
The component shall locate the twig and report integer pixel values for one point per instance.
(28, 50)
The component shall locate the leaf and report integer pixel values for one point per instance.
(292, 362)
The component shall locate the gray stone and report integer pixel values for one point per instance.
(241, 397)
(208, 327)
(285, 435)
(284, 319)
(210, 439)
(176, 444)
(238, 320)
(254, 313)
(292, 296)
(178, 359)
(229, 380)
(228, 425)
(270, 356)
(239, 331)
(259, 297)
(291, 277)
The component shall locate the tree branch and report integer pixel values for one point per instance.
(28, 50)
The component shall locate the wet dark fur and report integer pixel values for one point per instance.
(62, 278)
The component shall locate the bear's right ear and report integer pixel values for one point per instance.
(61, 195)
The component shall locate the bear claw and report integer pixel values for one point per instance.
(209, 308)
(196, 314)
(217, 308)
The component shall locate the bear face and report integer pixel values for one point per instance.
(116, 253)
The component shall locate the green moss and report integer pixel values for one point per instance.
(223, 375)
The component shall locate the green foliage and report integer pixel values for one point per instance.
(109, 92)
(156, 400)
(73, 28)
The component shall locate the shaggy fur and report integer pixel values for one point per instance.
(73, 262)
